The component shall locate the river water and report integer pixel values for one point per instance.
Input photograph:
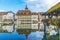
(15, 36)
(12, 36)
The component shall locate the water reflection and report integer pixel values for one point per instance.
(36, 35)
(15, 36)
(12, 36)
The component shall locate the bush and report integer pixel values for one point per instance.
(54, 37)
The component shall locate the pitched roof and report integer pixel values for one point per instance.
(3, 13)
(54, 7)
(23, 12)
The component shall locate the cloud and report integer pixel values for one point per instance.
(2, 11)
(40, 5)
(51, 3)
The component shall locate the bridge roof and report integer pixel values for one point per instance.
(54, 7)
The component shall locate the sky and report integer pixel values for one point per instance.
(33, 5)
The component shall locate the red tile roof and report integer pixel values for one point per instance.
(3, 13)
